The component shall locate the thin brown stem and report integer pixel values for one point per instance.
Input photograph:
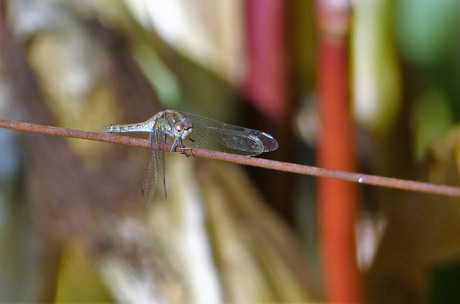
(239, 159)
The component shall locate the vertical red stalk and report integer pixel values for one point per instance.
(337, 199)
(266, 87)
(266, 82)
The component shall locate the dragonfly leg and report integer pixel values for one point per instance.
(176, 143)
(186, 149)
(190, 149)
(179, 144)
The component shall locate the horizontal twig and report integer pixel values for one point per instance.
(244, 160)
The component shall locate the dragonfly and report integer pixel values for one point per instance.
(188, 130)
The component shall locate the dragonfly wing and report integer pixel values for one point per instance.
(160, 139)
(151, 174)
(215, 135)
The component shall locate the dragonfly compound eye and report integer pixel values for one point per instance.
(183, 128)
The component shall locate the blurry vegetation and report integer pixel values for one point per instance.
(71, 224)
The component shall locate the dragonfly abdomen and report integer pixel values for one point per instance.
(140, 127)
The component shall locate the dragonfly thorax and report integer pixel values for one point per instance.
(183, 128)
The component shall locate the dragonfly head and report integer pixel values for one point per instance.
(183, 128)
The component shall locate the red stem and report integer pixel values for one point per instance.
(338, 200)
(266, 86)
(266, 82)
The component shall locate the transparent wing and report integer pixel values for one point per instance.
(160, 159)
(155, 171)
(151, 174)
(215, 135)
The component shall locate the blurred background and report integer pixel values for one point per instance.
(368, 86)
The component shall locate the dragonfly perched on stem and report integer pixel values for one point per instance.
(187, 130)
